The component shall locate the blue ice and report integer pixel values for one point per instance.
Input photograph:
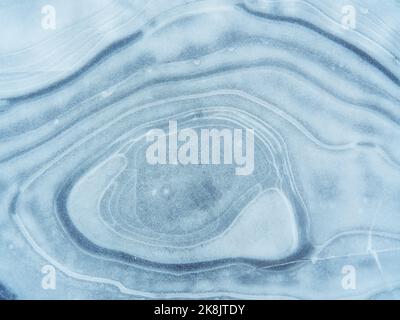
(84, 215)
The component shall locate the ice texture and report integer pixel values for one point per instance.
(319, 218)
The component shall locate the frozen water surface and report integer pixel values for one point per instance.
(85, 215)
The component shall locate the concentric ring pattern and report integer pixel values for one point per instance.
(78, 194)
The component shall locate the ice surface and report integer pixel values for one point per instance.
(317, 218)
